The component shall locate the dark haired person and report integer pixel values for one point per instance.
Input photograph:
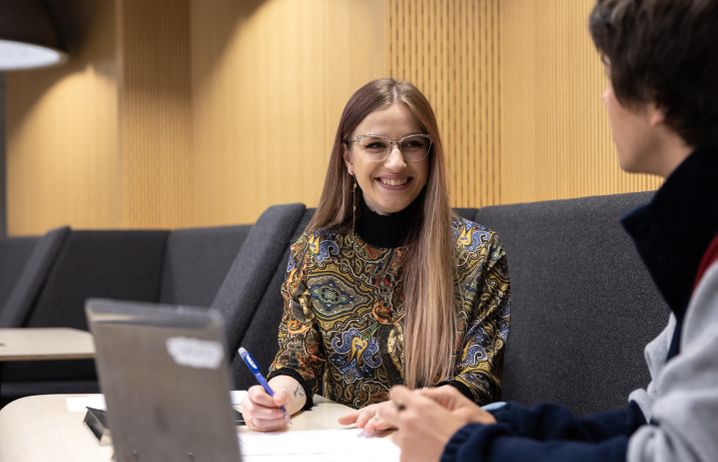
(386, 285)
(662, 103)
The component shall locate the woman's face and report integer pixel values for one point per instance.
(388, 186)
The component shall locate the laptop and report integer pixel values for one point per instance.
(165, 376)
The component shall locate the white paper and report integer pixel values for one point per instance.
(97, 400)
(317, 446)
(81, 403)
(236, 396)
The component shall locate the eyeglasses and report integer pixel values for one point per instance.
(377, 147)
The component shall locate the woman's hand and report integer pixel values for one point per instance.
(367, 419)
(264, 413)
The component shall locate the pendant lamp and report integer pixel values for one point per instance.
(28, 36)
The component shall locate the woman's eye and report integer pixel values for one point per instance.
(414, 144)
(375, 146)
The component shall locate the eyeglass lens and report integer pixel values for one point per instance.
(413, 147)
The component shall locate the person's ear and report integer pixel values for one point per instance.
(348, 158)
(656, 115)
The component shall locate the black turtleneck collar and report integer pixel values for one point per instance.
(674, 230)
(389, 231)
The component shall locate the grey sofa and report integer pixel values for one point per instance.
(583, 305)
(184, 266)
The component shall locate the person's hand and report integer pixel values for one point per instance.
(367, 419)
(262, 412)
(424, 424)
(453, 400)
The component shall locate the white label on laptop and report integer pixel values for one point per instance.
(193, 352)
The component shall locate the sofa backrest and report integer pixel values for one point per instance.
(14, 253)
(102, 264)
(253, 269)
(196, 263)
(31, 275)
(260, 336)
(583, 304)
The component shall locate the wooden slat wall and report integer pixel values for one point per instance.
(450, 50)
(516, 86)
(555, 138)
(155, 114)
(62, 145)
(269, 81)
(195, 112)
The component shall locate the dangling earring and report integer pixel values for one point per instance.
(354, 203)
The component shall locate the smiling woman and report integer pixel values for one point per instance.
(386, 285)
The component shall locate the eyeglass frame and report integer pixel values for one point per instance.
(359, 138)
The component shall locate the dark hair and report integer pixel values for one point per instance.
(665, 52)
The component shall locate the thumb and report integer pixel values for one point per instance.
(400, 395)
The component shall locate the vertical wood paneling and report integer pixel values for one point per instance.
(555, 139)
(516, 86)
(155, 112)
(269, 81)
(449, 50)
(193, 112)
(105, 140)
(62, 145)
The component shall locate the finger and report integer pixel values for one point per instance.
(447, 396)
(365, 415)
(389, 415)
(376, 425)
(476, 414)
(438, 392)
(382, 425)
(260, 397)
(266, 425)
(348, 419)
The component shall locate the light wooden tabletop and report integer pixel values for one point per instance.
(42, 428)
(45, 343)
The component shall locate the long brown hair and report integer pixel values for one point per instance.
(430, 320)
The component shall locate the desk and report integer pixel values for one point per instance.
(40, 428)
(45, 343)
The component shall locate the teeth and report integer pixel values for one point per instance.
(394, 182)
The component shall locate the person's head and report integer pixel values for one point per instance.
(661, 61)
(390, 177)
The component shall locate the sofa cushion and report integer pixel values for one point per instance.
(197, 261)
(583, 304)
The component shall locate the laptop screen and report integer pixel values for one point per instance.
(164, 373)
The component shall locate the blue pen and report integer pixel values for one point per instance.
(254, 369)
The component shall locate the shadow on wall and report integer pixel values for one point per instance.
(3, 200)
(203, 16)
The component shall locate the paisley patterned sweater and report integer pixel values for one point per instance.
(341, 334)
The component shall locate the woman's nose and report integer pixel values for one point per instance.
(395, 159)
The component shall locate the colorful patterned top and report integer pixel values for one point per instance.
(341, 333)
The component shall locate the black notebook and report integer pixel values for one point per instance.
(96, 421)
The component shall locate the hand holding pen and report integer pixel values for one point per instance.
(263, 409)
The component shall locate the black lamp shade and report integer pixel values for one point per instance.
(28, 36)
